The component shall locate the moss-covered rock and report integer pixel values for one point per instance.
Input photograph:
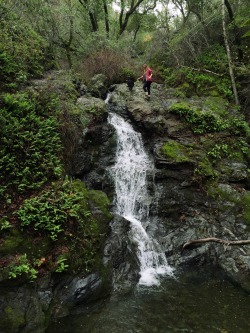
(11, 241)
(12, 320)
(102, 203)
(216, 105)
(175, 151)
(87, 109)
(98, 85)
(205, 170)
(62, 83)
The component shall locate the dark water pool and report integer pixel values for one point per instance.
(197, 302)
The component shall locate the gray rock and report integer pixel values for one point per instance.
(98, 86)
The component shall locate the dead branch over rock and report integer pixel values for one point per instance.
(216, 240)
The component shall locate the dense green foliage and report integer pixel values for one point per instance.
(54, 210)
(21, 267)
(208, 122)
(69, 235)
(205, 75)
(30, 145)
(21, 51)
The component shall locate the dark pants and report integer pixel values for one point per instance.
(146, 86)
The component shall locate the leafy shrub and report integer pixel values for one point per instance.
(198, 82)
(61, 265)
(213, 59)
(22, 266)
(200, 122)
(61, 212)
(219, 151)
(239, 126)
(127, 72)
(30, 144)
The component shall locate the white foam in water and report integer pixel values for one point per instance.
(130, 172)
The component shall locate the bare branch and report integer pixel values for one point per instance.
(216, 240)
(202, 70)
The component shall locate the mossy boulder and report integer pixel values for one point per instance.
(62, 83)
(12, 320)
(87, 111)
(98, 86)
(21, 311)
(101, 205)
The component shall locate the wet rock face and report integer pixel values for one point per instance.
(22, 308)
(191, 198)
(120, 255)
(94, 154)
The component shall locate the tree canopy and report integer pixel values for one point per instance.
(178, 38)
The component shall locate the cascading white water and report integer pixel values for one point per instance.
(132, 200)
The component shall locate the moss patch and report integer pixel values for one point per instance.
(205, 169)
(216, 105)
(11, 242)
(11, 320)
(175, 151)
(101, 200)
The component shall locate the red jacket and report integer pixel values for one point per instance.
(149, 74)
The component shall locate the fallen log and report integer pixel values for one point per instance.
(217, 240)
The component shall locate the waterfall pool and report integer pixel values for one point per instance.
(196, 302)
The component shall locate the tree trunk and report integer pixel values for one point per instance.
(235, 30)
(105, 7)
(123, 20)
(91, 14)
(230, 63)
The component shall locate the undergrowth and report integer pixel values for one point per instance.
(30, 147)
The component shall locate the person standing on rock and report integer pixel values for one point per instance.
(146, 79)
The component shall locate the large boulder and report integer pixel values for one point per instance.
(98, 86)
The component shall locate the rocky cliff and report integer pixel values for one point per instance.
(200, 187)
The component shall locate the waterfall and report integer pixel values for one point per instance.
(132, 200)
